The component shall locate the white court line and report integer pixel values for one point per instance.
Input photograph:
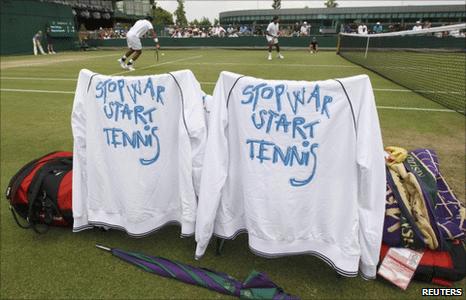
(40, 78)
(374, 89)
(213, 83)
(275, 65)
(36, 91)
(383, 90)
(205, 83)
(34, 63)
(421, 91)
(417, 109)
(210, 82)
(202, 82)
(380, 107)
(119, 73)
(159, 64)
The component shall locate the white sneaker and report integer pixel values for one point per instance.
(280, 56)
(122, 64)
(130, 68)
(270, 57)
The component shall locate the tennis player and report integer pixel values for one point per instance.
(133, 39)
(271, 35)
(313, 46)
(36, 43)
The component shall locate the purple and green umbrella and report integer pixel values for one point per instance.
(256, 286)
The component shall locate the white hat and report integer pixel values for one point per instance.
(378, 23)
(417, 22)
(304, 22)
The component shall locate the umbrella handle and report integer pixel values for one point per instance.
(102, 247)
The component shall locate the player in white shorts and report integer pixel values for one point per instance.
(36, 43)
(272, 34)
(133, 39)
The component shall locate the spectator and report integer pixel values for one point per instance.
(233, 34)
(36, 43)
(218, 31)
(418, 26)
(196, 31)
(171, 31)
(243, 30)
(347, 28)
(230, 29)
(362, 29)
(203, 33)
(296, 29)
(377, 28)
(304, 29)
(176, 33)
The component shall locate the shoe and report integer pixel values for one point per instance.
(280, 56)
(130, 68)
(53, 52)
(122, 64)
(270, 57)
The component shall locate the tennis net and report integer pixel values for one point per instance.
(431, 62)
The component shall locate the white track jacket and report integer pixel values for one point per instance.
(138, 149)
(300, 166)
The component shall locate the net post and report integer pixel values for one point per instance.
(367, 47)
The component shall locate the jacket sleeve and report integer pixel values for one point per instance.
(193, 121)
(78, 125)
(371, 167)
(197, 131)
(215, 168)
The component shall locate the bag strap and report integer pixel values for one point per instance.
(59, 163)
(15, 217)
(18, 178)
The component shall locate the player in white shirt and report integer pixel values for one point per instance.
(133, 38)
(272, 34)
(36, 43)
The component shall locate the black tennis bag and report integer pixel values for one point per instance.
(40, 192)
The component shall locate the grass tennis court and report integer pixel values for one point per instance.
(36, 102)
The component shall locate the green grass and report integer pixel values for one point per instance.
(62, 264)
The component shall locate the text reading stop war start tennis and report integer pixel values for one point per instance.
(270, 115)
(121, 103)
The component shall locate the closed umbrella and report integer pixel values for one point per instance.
(256, 286)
